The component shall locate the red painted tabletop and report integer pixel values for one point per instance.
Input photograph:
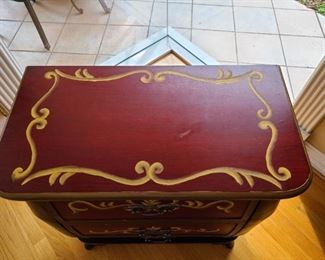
(138, 131)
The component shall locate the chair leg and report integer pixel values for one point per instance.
(104, 5)
(37, 24)
(76, 7)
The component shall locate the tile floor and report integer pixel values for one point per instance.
(281, 32)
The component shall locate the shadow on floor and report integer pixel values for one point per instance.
(314, 203)
(159, 251)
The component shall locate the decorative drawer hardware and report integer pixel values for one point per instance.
(151, 210)
(155, 234)
(148, 234)
(150, 207)
(154, 230)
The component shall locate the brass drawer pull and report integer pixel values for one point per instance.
(152, 210)
(159, 235)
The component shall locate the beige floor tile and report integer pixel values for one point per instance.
(118, 38)
(250, 19)
(11, 10)
(289, 4)
(259, 48)
(8, 30)
(220, 45)
(71, 59)
(287, 82)
(299, 78)
(131, 13)
(231, 63)
(184, 32)
(80, 38)
(213, 17)
(246, 63)
(175, 11)
(296, 22)
(174, 1)
(25, 58)
(303, 51)
(93, 13)
(27, 37)
(213, 2)
(253, 3)
(102, 58)
(51, 10)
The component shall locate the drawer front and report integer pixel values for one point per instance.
(154, 230)
(142, 209)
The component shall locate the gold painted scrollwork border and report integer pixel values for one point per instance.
(83, 206)
(149, 171)
(153, 230)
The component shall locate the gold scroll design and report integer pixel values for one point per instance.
(82, 206)
(149, 171)
(133, 230)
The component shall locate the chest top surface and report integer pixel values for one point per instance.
(152, 131)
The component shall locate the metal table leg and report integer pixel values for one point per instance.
(37, 24)
(104, 5)
(76, 7)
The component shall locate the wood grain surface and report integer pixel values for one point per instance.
(295, 231)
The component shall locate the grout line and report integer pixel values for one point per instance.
(265, 7)
(45, 52)
(149, 26)
(175, 2)
(235, 29)
(65, 22)
(228, 61)
(57, 39)
(261, 33)
(12, 20)
(283, 52)
(127, 25)
(300, 67)
(112, 54)
(237, 5)
(153, 26)
(104, 33)
(21, 23)
(13, 37)
(253, 7)
(294, 9)
(196, 28)
(320, 24)
(192, 12)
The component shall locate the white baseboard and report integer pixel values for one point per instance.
(317, 158)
